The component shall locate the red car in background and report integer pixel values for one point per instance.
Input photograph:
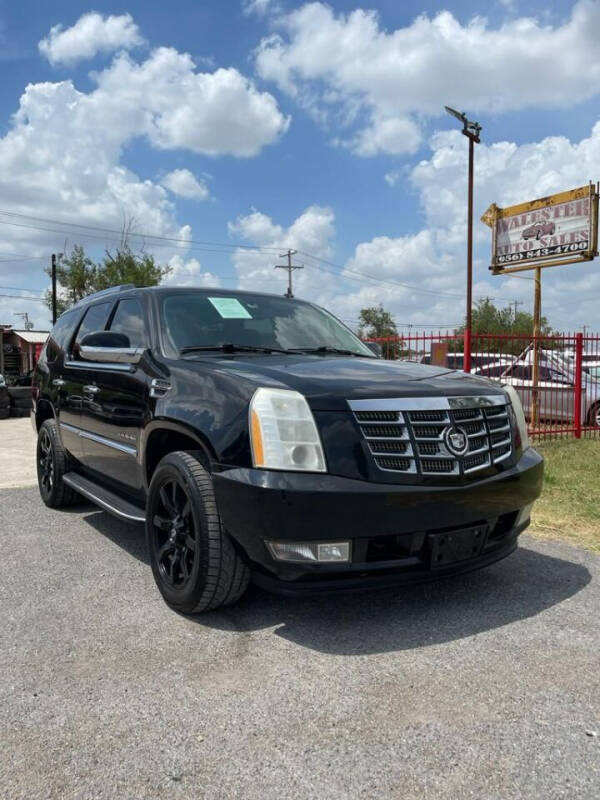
(539, 229)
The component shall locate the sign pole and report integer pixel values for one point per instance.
(537, 319)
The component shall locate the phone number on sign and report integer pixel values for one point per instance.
(542, 252)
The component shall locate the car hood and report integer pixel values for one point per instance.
(328, 382)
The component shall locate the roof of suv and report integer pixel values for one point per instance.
(215, 290)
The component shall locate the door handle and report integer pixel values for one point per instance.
(91, 389)
(58, 382)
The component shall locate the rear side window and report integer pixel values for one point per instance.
(60, 336)
(521, 373)
(94, 320)
(128, 319)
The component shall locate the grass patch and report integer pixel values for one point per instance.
(569, 507)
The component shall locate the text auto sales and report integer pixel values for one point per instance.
(513, 243)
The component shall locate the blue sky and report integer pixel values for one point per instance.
(333, 141)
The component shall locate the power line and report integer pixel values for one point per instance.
(196, 245)
(20, 289)
(131, 234)
(390, 281)
(23, 297)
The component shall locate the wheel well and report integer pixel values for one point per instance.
(162, 442)
(43, 412)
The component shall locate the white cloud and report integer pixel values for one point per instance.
(61, 157)
(185, 184)
(90, 35)
(260, 7)
(505, 173)
(165, 99)
(420, 277)
(189, 272)
(348, 69)
(312, 231)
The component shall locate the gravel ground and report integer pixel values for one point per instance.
(17, 453)
(483, 686)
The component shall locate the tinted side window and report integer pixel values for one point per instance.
(94, 320)
(60, 336)
(128, 319)
(522, 373)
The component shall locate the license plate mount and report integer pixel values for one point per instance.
(454, 546)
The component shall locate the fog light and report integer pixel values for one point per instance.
(524, 514)
(317, 552)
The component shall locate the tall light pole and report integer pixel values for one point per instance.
(471, 130)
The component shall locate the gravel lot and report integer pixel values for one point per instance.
(17, 453)
(484, 686)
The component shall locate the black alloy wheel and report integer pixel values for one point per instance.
(45, 463)
(175, 534)
(52, 463)
(194, 561)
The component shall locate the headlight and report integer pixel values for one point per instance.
(283, 434)
(519, 415)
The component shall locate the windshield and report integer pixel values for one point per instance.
(198, 319)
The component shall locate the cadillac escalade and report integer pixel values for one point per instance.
(257, 438)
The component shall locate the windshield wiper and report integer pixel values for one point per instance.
(229, 347)
(326, 349)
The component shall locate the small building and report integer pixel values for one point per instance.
(19, 350)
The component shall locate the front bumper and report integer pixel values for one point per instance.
(390, 525)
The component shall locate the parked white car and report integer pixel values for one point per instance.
(556, 387)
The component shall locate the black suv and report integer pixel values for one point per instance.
(257, 436)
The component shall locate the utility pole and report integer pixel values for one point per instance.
(471, 130)
(290, 268)
(516, 303)
(53, 288)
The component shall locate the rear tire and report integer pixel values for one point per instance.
(4, 412)
(594, 415)
(195, 564)
(52, 463)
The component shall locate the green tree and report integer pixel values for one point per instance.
(78, 276)
(375, 323)
(125, 266)
(490, 320)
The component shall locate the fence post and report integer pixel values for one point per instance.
(578, 382)
(467, 351)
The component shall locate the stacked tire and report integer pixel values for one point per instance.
(20, 400)
(4, 403)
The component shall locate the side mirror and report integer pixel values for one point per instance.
(109, 347)
(375, 347)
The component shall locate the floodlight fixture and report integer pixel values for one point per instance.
(471, 128)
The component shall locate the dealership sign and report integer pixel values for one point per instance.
(560, 228)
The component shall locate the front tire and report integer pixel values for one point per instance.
(194, 562)
(52, 463)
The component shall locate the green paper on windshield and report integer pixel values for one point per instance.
(230, 308)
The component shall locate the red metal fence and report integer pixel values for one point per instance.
(549, 373)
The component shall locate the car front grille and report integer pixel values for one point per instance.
(445, 436)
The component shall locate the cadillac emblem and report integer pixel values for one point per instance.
(456, 440)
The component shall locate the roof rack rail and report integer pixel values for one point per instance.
(104, 293)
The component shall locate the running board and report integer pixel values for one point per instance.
(104, 498)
